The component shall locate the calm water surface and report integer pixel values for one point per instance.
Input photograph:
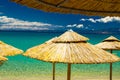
(24, 66)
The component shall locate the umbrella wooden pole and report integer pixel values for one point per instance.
(53, 71)
(111, 68)
(69, 71)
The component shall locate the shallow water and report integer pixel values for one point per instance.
(23, 68)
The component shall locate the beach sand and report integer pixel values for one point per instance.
(57, 78)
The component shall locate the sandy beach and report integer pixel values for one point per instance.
(57, 78)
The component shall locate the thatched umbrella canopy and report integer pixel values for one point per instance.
(87, 7)
(72, 48)
(8, 50)
(34, 52)
(110, 43)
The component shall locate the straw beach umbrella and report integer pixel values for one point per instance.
(111, 43)
(34, 52)
(87, 7)
(72, 48)
(8, 50)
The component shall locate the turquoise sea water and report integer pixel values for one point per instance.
(31, 69)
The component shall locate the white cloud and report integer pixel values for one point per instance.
(75, 25)
(21, 28)
(109, 19)
(80, 26)
(69, 26)
(102, 20)
(12, 23)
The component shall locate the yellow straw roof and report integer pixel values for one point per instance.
(75, 53)
(70, 36)
(110, 43)
(87, 7)
(69, 51)
(111, 38)
(8, 50)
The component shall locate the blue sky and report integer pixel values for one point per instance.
(17, 17)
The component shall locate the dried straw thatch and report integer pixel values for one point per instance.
(83, 53)
(7, 50)
(71, 37)
(87, 7)
(111, 38)
(72, 48)
(110, 43)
